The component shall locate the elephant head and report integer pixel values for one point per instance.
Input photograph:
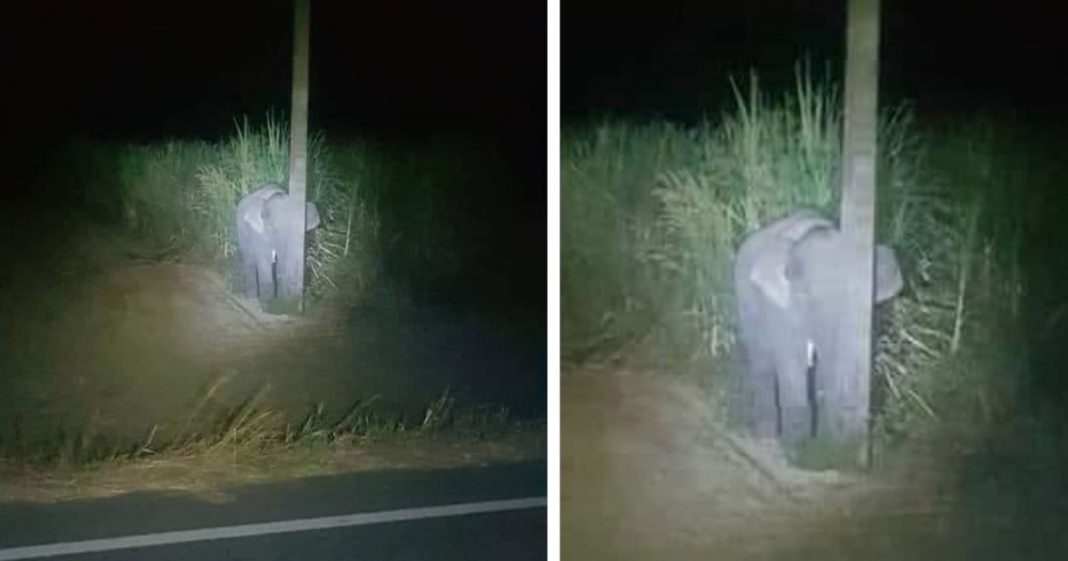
(270, 206)
(789, 285)
(808, 265)
(265, 219)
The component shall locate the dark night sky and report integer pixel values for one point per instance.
(674, 60)
(152, 69)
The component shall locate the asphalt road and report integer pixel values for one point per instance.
(469, 513)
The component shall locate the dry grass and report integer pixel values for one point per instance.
(249, 443)
(207, 472)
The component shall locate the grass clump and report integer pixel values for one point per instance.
(652, 215)
(250, 432)
(951, 350)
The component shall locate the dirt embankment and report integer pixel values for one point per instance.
(99, 331)
(103, 334)
(650, 472)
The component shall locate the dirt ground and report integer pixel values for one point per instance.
(649, 471)
(104, 334)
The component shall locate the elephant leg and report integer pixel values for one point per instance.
(759, 354)
(247, 276)
(764, 412)
(794, 398)
(827, 380)
(265, 279)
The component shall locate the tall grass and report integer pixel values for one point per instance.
(245, 162)
(182, 194)
(346, 256)
(607, 177)
(951, 351)
(652, 215)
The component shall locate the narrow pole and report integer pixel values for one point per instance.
(291, 261)
(851, 382)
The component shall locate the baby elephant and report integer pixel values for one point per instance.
(787, 279)
(264, 219)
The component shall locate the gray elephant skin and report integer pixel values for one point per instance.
(788, 288)
(264, 219)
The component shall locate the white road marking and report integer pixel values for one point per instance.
(246, 530)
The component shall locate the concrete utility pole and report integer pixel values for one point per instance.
(291, 262)
(848, 408)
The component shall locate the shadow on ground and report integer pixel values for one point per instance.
(100, 335)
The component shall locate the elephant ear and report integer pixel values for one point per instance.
(888, 280)
(769, 275)
(255, 221)
(778, 269)
(800, 223)
(311, 217)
